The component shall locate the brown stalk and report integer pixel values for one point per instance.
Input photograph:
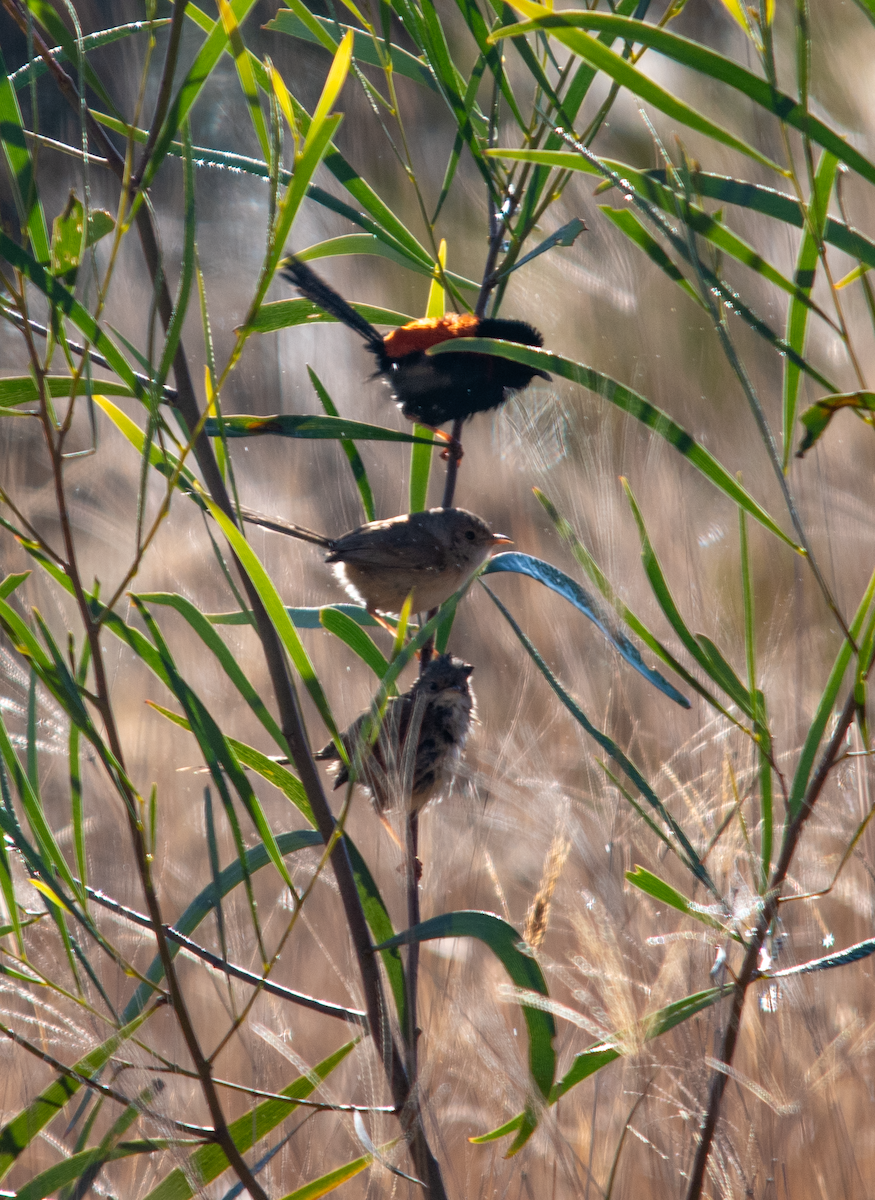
(746, 975)
(291, 720)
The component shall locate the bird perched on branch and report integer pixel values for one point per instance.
(429, 553)
(421, 738)
(431, 390)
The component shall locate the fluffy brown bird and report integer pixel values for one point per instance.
(429, 553)
(431, 390)
(421, 738)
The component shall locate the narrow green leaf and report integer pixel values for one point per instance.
(699, 58)
(647, 882)
(818, 416)
(551, 577)
(504, 942)
(63, 299)
(421, 456)
(214, 747)
(275, 610)
(17, 154)
(200, 71)
(204, 902)
(22, 389)
(207, 634)
(824, 712)
(292, 426)
(595, 1057)
(354, 459)
(352, 634)
(68, 239)
(703, 652)
(403, 62)
(568, 30)
(17, 1134)
(797, 314)
(183, 294)
(246, 77)
(685, 848)
(333, 1179)
(209, 1162)
(629, 224)
(586, 560)
(633, 403)
(282, 314)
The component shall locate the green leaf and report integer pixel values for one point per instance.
(595, 1057)
(17, 1134)
(331, 1180)
(200, 71)
(631, 402)
(421, 456)
(680, 842)
(701, 650)
(78, 1165)
(357, 467)
(215, 749)
(276, 774)
(629, 224)
(36, 68)
(567, 235)
(505, 943)
(565, 27)
(586, 560)
(205, 631)
(282, 314)
(403, 62)
(246, 76)
(380, 925)
(699, 58)
(352, 634)
(824, 712)
(304, 618)
(570, 590)
(818, 416)
(292, 426)
(275, 610)
(797, 314)
(205, 901)
(17, 154)
(63, 299)
(22, 389)
(183, 293)
(68, 239)
(666, 894)
(209, 1162)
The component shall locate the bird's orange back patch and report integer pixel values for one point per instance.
(419, 335)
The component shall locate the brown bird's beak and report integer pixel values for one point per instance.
(501, 539)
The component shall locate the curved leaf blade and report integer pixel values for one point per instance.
(557, 581)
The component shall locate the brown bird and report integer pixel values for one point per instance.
(431, 390)
(429, 553)
(421, 738)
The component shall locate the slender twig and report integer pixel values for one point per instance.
(355, 1015)
(166, 88)
(198, 1131)
(747, 973)
(291, 721)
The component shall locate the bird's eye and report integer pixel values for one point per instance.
(434, 687)
(470, 535)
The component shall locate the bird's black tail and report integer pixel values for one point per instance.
(318, 291)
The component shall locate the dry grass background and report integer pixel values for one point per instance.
(531, 799)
